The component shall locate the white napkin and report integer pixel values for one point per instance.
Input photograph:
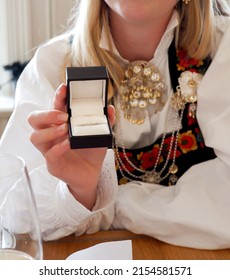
(114, 250)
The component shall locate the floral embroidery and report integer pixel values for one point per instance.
(187, 142)
(187, 63)
(123, 181)
(166, 147)
(148, 159)
(131, 158)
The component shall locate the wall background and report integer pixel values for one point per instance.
(24, 25)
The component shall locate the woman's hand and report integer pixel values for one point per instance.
(79, 169)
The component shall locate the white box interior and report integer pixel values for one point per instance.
(87, 101)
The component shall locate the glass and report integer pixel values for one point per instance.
(20, 235)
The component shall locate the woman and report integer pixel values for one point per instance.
(171, 128)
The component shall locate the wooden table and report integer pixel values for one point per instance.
(144, 247)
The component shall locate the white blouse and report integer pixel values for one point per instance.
(193, 213)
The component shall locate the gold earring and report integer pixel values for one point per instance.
(186, 1)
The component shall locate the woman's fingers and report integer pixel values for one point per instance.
(44, 144)
(59, 102)
(44, 119)
(111, 115)
(47, 135)
(54, 154)
(50, 127)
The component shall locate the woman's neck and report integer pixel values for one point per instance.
(137, 41)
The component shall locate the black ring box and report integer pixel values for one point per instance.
(87, 93)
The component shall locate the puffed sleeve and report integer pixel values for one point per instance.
(59, 213)
(34, 91)
(195, 212)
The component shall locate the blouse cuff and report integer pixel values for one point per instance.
(69, 210)
(107, 184)
(73, 212)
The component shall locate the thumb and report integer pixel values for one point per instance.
(111, 115)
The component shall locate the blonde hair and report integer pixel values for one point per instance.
(197, 25)
(194, 33)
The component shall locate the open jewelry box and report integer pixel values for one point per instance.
(87, 89)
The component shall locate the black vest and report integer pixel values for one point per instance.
(191, 147)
